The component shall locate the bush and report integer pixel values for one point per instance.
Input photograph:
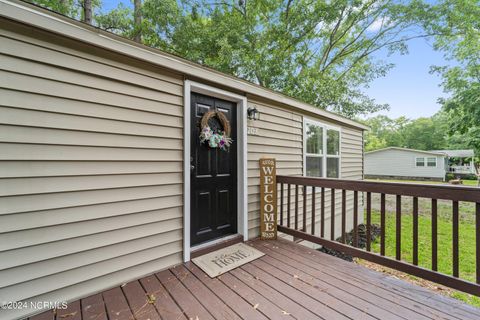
(449, 176)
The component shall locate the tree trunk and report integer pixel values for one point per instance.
(138, 20)
(87, 11)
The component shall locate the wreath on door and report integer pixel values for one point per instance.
(219, 138)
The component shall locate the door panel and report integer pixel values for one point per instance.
(213, 175)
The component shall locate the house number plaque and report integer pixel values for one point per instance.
(268, 199)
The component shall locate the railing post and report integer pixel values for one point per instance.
(288, 204)
(322, 214)
(477, 240)
(415, 230)
(455, 240)
(304, 209)
(369, 220)
(355, 218)
(398, 242)
(434, 234)
(281, 204)
(332, 214)
(382, 224)
(344, 214)
(313, 210)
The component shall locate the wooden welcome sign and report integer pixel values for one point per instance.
(268, 199)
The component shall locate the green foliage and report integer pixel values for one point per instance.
(422, 133)
(320, 52)
(449, 176)
(317, 51)
(457, 29)
(66, 7)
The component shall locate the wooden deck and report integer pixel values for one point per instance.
(289, 282)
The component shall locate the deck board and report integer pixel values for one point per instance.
(290, 282)
(93, 308)
(166, 307)
(421, 300)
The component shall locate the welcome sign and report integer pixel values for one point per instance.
(268, 199)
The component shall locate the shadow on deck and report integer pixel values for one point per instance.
(290, 281)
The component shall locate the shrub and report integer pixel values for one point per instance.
(449, 176)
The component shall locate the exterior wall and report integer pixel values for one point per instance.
(90, 168)
(394, 162)
(280, 135)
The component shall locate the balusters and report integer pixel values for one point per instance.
(455, 239)
(477, 240)
(355, 218)
(434, 235)
(313, 210)
(344, 213)
(415, 230)
(369, 220)
(322, 214)
(304, 209)
(281, 204)
(296, 207)
(332, 214)
(288, 205)
(398, 254)
(382, 224)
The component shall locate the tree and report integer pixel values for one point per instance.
(65, 7)
(321, 52)
(317, 51)
(137, 13)
(422, 133)
(87, 11)
(458, 37)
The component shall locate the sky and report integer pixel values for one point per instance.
(408, 88)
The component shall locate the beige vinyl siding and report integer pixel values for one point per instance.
(280, 136)
(90, 168)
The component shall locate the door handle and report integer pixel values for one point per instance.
(192, 167)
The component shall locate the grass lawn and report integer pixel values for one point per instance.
(466, 237)
(469, 183)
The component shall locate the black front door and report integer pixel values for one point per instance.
(213, 175)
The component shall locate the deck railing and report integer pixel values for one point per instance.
(289, 210)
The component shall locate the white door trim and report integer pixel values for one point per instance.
(242, 214)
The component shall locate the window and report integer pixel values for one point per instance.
(432, 162)
(420, 162)
(426, 162)
(322, 150)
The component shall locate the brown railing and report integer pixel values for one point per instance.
(319, 186)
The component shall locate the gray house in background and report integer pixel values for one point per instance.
(402, 163)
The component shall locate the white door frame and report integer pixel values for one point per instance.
(241, 101)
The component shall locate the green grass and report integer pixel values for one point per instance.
(471, 183)
(466, 246)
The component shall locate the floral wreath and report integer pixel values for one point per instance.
(220, 139)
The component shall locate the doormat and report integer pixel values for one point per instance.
(218, 262)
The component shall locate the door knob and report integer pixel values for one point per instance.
(192, 167)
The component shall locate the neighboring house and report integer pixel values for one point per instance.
(102, 175)
(460, 162)
(402, 163)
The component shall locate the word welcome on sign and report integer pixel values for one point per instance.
(268, 199)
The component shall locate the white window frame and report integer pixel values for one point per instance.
(424, 162)
(324, 154)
